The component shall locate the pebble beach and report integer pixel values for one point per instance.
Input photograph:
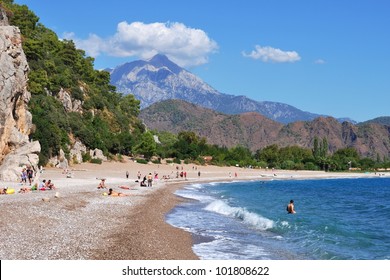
(78, 221)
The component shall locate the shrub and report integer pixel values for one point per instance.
(86, 157)
(96, 161)
(141, 160)
(74, 159)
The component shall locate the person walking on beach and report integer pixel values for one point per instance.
(127, 174)
(290, 207)
(24, 176)
(30, 174)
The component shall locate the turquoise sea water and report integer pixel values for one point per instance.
(336, 219)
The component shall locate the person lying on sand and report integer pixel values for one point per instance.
(102, 184)
(113, 193)
(25, 190)
(7, 190)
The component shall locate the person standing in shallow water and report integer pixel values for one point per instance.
(290, 207)
(150, 180)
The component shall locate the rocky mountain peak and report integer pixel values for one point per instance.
(162, 61)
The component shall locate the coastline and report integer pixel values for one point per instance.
(81, 223)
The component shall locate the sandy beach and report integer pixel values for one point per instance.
(77, 221)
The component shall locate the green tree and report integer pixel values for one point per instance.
(269, 154)
(345, 158)
(147, 145)
(324, 147)
(316, 148)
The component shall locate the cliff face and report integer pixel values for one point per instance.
(15, 120)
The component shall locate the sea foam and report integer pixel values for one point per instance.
(252, 219)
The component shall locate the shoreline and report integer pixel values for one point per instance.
(81, 223)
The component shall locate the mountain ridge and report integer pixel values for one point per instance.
(255, 131)
(384, 120)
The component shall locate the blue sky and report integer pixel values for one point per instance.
(326, 57)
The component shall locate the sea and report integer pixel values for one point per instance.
(336, 219)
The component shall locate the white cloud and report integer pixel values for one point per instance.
(184, 45)
(319, 61)
(270, 54)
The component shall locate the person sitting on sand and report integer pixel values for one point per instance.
(290, 207)
(49, 185)
(143, 184)
(113, 193)
(102, 184)
(42, 185)
(3, 190)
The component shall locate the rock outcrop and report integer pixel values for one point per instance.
(77, 151)
(16, 150)
(97, 154)
(69, 105)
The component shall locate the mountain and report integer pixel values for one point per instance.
(379, 120)
(247, 129)
(255, 131)
(160, 79)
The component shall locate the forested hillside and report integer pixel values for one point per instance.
(98, 116)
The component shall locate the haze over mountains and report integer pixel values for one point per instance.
(160, 79)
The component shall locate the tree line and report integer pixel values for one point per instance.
(188, 146)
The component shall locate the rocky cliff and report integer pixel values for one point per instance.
(16, 150)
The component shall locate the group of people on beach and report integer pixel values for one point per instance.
(147, 181)
(111, 192)
(42, 186)
(27, 174)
